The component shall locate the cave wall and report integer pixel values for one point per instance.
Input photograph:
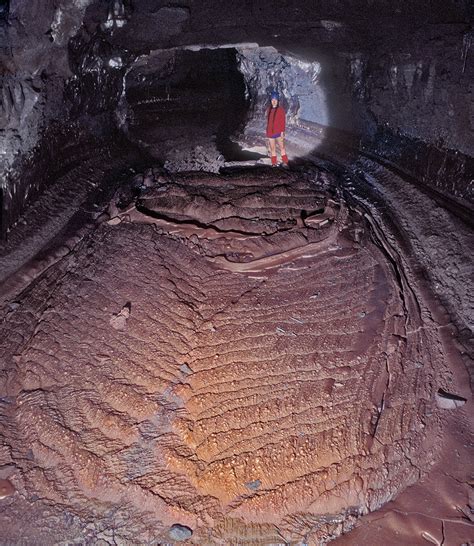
(60, 84)
(34, 38)
(421, 84)
(415, 100)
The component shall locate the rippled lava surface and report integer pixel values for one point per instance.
(238, 355)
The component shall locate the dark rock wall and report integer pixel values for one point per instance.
(415, 97)
(422, 87)
(34, 63)
(445, 171)
(98, 71)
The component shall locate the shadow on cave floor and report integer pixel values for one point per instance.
(232, 151)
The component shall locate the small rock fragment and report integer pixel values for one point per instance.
(119, 321)
(446, 400)
(185, 369)
(430, 538)
(254, 485)
(6, 471)
(180, 532)
(297, 320)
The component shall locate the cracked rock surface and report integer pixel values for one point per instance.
(188, 373)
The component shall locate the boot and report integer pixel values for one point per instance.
(274, 160)
(284, 158)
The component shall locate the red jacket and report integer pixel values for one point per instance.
(275, 121)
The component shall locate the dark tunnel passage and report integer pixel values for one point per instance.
(199, 345)
(4, 9)
(184, 98)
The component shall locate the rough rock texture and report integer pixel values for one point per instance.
(78, 181)
(256, 358)
(444, 170)
(34, 59)
(34, 101)
(294, 355)
(428, 73)
(297, 82)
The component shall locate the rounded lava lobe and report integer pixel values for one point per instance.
(265, 375)
(267, 407)
(296, 377)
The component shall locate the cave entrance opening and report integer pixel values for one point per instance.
(180, 99)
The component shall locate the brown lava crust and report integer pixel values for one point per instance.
(239, 355)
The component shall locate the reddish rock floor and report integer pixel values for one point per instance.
(247, 357)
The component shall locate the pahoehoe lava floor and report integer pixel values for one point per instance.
(231, 360)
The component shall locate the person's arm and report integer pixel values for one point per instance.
(283, 122)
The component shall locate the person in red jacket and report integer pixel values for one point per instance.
(276, 129)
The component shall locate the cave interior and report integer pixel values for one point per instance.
(198, 346)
